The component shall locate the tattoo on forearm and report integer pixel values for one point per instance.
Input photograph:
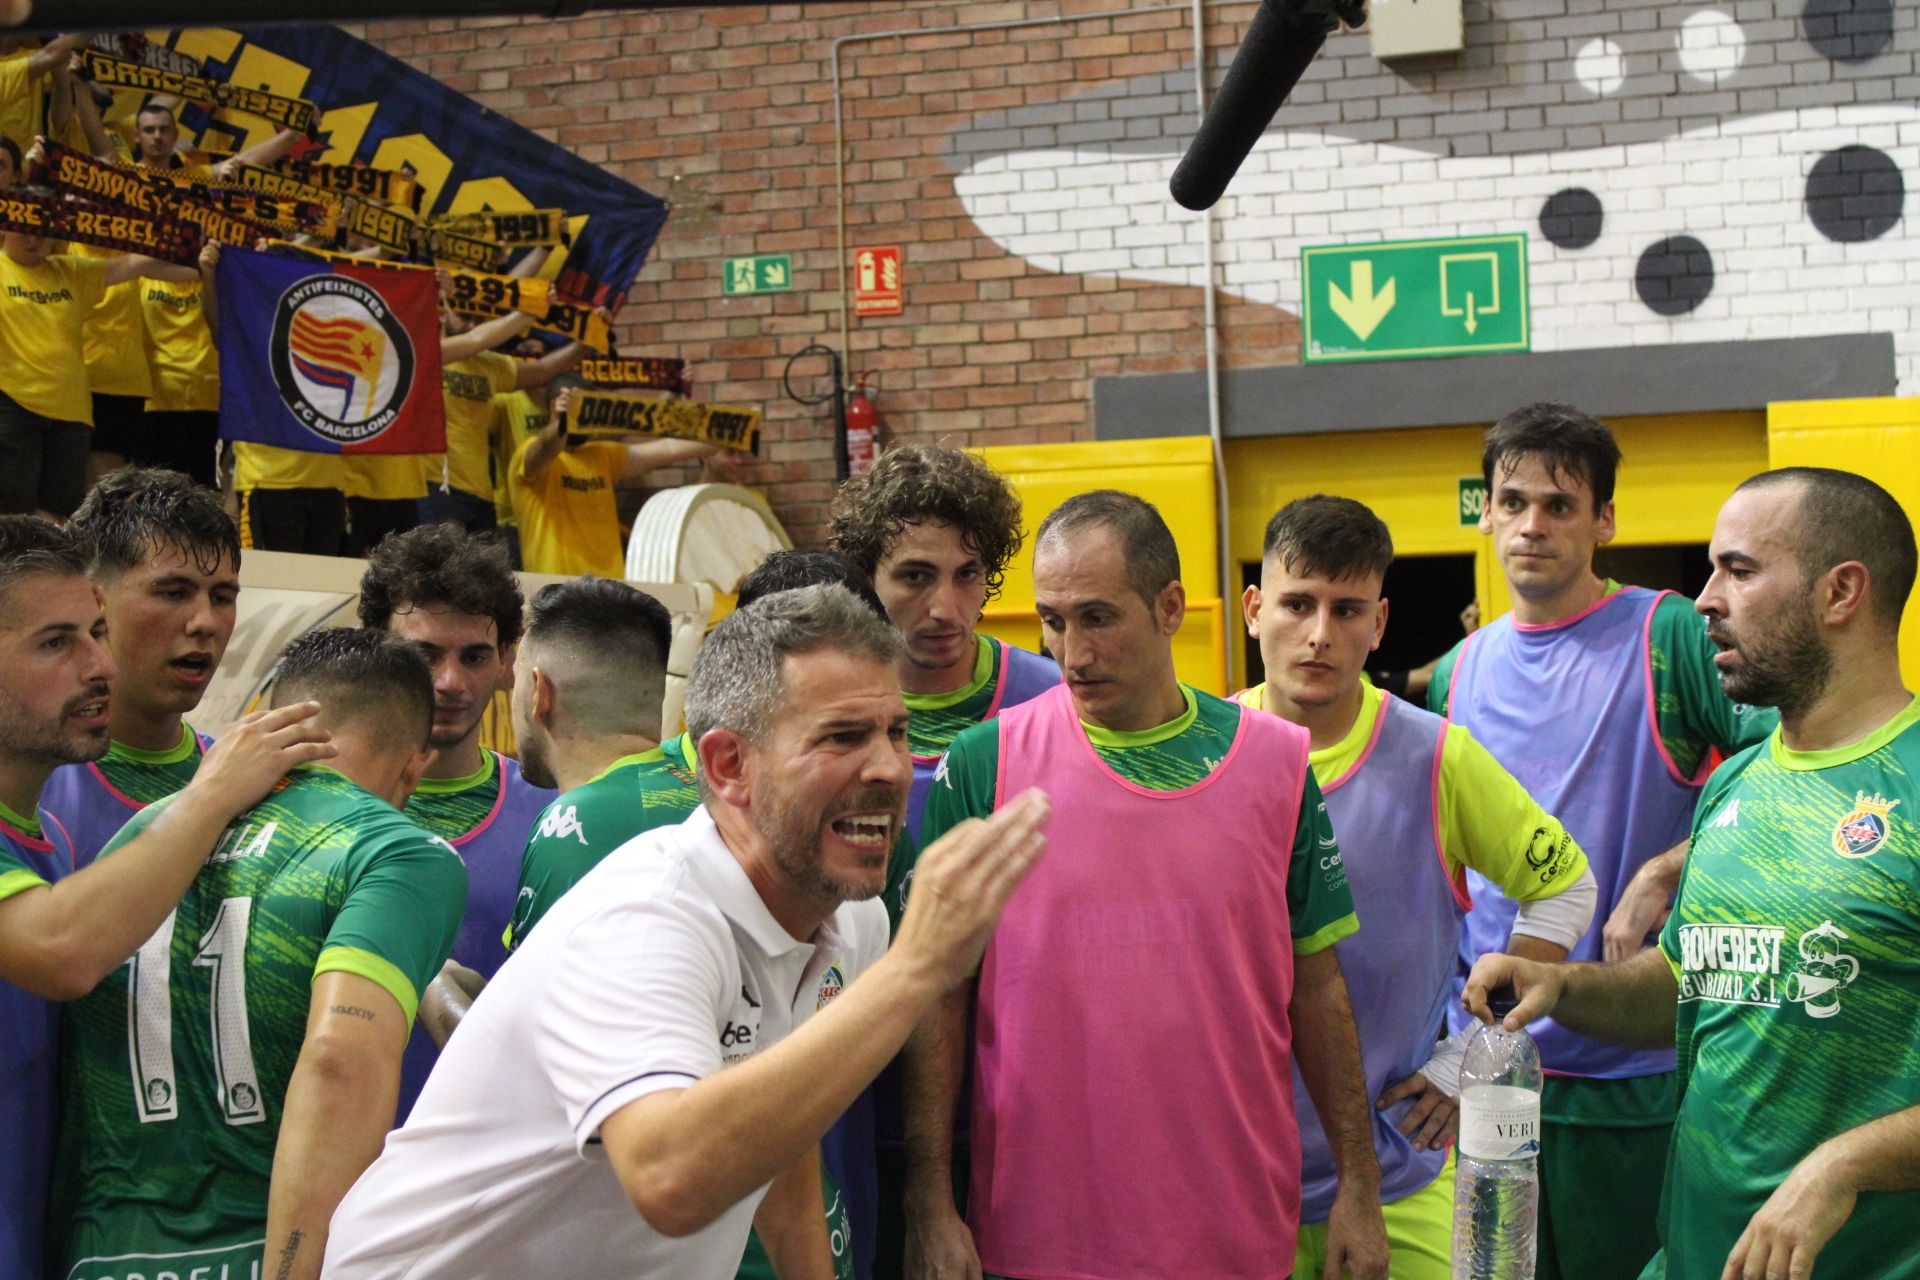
(290, 1253)
(351, 1011)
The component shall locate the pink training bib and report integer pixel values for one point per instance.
(1133, 1097)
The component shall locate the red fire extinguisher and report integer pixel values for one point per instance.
(863, 427)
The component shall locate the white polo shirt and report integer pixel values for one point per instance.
(659, 968)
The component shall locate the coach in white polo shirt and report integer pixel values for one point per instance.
(623, 1093)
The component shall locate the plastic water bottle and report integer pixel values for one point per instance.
(1496, 1198)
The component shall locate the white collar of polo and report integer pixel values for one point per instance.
(726, 880)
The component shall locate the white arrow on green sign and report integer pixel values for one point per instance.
(1408, 298)
(767, 273)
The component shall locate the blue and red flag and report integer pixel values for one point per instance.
(329, 356)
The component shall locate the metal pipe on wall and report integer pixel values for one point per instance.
(839, 127)
(1229, 586)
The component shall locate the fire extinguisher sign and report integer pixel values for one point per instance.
(877, 285)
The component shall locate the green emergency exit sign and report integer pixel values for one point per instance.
(767, 273)
(1404, 299)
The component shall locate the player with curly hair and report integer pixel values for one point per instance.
(935, 529)
(453, 594)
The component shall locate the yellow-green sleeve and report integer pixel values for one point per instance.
(18, 880)
(1490, 823)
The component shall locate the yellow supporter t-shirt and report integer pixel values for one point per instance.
(386, 477)
(468, 388)
(23, 99)
(180, 350)
(43, 313)
(569, 515)
(1487, 819)
(267, 466)
(517, 418)
(115, 336)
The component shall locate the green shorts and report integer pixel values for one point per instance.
(1419, 1235)
(1603, 1157)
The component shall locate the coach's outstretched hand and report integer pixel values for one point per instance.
(962, 884)
(243, 766)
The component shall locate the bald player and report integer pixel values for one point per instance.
(1788, 975)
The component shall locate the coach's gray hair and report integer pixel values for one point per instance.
(737, 679)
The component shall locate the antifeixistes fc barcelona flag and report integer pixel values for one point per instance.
(329, 357)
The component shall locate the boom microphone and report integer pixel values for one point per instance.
(1280, 44)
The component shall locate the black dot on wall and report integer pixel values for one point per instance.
(1855, 193)
(1848, 30)
(1674, 276)
(1571, 219)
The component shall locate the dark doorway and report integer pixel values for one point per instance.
(1681, 567)
(1425, 595)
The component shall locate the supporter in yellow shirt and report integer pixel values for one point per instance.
(460, 490)
(518, 416)
(563, 494)
(385, 494)
(23, 86)
(181, 429)
(115, 338)
(290, 500)
(46, 410)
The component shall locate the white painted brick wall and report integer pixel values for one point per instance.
(1711, 133)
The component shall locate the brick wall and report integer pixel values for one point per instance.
(1686, 172)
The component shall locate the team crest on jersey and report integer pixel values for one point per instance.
(832, 983)
(1863, 831)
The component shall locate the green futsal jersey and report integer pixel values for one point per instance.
(175, 1068)
(1796, 945)
(581, 827)
(936, 719)
(147, 776)
(452, 807)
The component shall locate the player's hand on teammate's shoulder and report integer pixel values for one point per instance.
(963, 881)
(243, 766)
(1537, 986)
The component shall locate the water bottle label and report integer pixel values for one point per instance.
(1499, 1122)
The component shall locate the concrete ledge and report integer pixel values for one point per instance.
(1607, 382)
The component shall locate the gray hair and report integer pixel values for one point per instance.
(737, 681)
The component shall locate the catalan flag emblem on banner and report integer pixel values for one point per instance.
(329, 357)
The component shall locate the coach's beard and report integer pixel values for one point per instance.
(794, 838)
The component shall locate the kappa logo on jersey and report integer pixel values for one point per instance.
(1861, 833)
(1727, 817)
(559, 825)
(940, 774)
(1825, 971)
(832, 983)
